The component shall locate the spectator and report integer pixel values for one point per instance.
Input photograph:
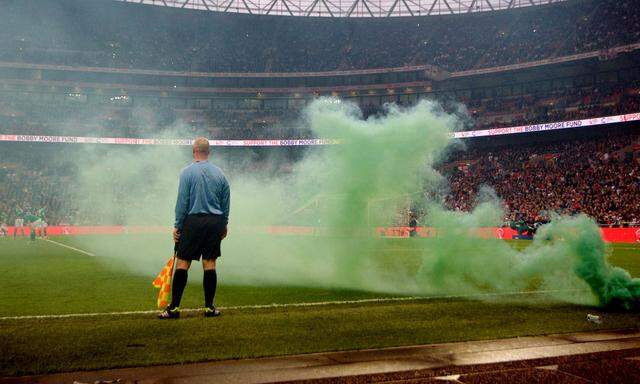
(598, 177)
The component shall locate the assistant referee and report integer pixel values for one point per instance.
(202, 214)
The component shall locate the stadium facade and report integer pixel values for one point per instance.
(135, 72)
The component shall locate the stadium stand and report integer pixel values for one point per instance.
(38, 183)
(565, 104)
(26, 116)
(597, 176)
(116, 98)
(65, 34)
(220, 42)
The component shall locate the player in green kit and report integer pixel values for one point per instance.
(41, 223)
(19, 222)
(32, 223)
(32, 232)
(4, 229)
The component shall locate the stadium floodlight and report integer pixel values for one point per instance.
(347, 8)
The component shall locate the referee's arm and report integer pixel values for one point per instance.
(182, 205)
(225, 202)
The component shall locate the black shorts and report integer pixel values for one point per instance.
(201, 236)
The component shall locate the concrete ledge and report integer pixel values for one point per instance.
(360, 363)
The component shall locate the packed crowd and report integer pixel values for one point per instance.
(20, 117)
(596, 176)
(109, 33)
(64, 184)
(150, 122)
(599, 177)
(559, 105)
(33, 190)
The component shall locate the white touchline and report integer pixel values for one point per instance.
(70, 247)
(308, 304)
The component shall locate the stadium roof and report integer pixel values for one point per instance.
(347, 8)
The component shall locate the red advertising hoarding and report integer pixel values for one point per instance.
(612, 235)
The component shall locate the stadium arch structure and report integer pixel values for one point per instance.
(349, 8)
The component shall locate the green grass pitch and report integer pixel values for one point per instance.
(42, 278)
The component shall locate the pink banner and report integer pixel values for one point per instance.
(170, 142)
(311, 142)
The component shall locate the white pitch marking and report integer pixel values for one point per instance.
(286, 305)
(70, 247)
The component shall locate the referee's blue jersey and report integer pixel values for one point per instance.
(203, 189)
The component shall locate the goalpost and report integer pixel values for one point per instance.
(384, 211)
(392, 211)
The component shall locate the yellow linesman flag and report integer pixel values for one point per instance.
(163, 281)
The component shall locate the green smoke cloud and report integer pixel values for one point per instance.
(382, 166)
(579, 239)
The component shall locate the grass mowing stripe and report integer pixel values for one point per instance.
(70, 247)
(303, 304)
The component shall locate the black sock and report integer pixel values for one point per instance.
(209, 282)
(179, 282)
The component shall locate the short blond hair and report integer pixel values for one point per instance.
(201, 145)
